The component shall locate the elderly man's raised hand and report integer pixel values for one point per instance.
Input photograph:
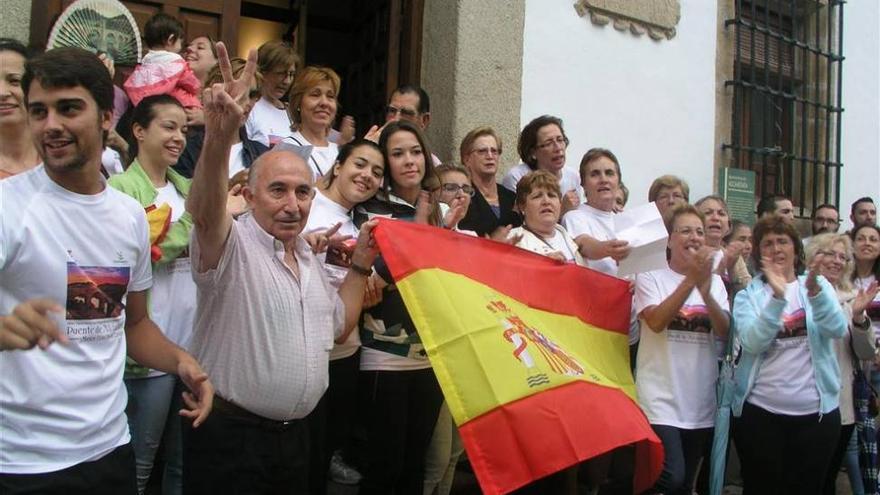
(224, 103)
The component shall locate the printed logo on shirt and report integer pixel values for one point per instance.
(691, 318)
(793, 325)
(94, 300)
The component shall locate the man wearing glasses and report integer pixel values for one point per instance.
(825, 220)
(410, 102)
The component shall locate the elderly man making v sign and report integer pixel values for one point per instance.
(267, 313)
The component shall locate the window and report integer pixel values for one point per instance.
(786, 98)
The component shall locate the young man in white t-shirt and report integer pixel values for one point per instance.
(74, 268)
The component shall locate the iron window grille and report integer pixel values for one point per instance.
(787, 98)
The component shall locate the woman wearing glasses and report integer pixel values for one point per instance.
(268, 122)
(835, 251)
(786, 399)
(684, 310)
(492, 205)
(313, 108)
(542, 145)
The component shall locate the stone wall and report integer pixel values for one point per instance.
(16, 19)
(472, 69)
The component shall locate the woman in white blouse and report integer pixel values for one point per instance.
(539, 199)
(313, 108)
(268, 122)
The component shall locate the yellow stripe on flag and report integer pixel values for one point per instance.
(469, 328)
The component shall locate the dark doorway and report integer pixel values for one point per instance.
(372, 47)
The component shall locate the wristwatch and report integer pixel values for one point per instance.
(360, 270)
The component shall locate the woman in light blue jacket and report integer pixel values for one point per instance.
(788, 380)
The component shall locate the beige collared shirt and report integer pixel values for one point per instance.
(262, 335)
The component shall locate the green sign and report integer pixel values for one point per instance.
(737, 187)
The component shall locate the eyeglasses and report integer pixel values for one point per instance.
(559, 142)
(404, 112)
(487, 151)
(841, 257)
(829, 221)
(284, 73)
(670, 196)
(688, 232)
(454, 188)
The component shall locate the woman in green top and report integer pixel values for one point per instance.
(159, 128)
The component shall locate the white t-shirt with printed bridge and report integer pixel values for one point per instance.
(66, 405)
(677, 368)
(786, 382)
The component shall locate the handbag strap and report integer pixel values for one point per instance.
(858, 373)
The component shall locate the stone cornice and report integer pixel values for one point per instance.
(657, 18)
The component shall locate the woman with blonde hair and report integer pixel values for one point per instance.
(312, 110)
(837, 265)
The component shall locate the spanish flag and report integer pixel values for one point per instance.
(531, 353)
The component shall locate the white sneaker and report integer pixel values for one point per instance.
(340, 472)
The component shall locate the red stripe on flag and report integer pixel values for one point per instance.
(533, 437)
(551, 285)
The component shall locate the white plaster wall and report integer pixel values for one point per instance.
(860, 134)
(650, 102)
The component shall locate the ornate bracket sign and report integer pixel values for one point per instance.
(658, 18)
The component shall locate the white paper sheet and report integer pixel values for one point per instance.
(645, 231)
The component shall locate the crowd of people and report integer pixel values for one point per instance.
(187, 262)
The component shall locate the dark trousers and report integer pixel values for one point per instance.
(227, 454)
(342, 403)
(112, 474)
(846, 432)
(682, 452)
(401, 409)
(784, 455)
(330, 423)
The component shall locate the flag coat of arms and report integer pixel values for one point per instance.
(531, 354)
